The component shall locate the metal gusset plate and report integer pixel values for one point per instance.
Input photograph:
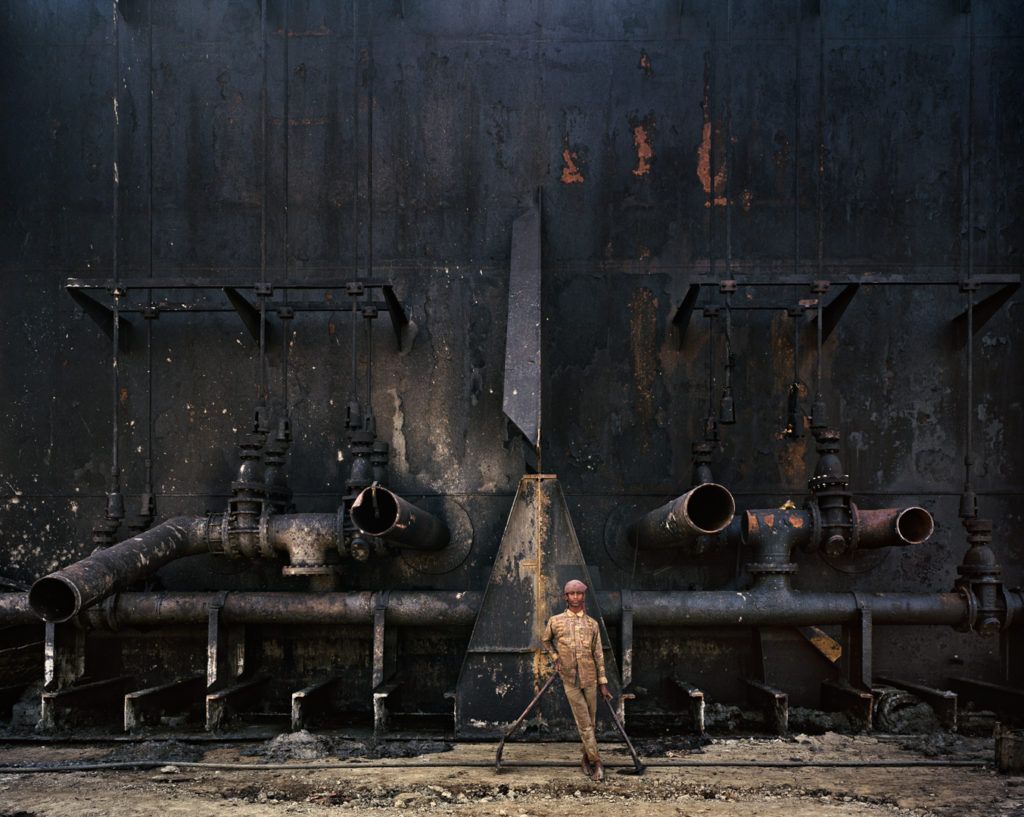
(249, 314)
(504, 665)
(832, 312)
(984, 310)
(681, 317)
(405, 329)
(521, 400)
(104, 317)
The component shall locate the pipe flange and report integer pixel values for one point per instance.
(226, 543)
(820, 483)
(771, 567)
(972, 609)
(266, 550)
(814, 542)
(855, 531)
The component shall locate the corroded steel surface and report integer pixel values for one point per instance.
(871, 145)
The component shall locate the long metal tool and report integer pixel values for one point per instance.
(638, 767)
(518, 723)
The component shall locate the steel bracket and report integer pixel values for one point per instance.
(103, 316)
(833, 311)
(683, 313)
(984, 310)
(249, 314)
(405, 329)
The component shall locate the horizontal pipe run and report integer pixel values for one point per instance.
(406, 608)
(432, 608)
(784, 608)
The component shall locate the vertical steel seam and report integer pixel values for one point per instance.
(149, 292)
(796, 145)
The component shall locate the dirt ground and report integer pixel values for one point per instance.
(360, 786)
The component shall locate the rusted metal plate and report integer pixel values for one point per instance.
(521, 398)
(505, 665)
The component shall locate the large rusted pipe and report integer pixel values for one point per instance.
(702, 511)
(887, 527)
(380, 512)
(436, 608)
(61, 595)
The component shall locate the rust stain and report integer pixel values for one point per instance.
(645, 64)
(570, 171)
(746, 198)
(704, 167)
(331, 328)
(644, 150)
(769, 520)
(123, 394)
(643, 320)
(796, 520)
(645, 252)
(823, 643)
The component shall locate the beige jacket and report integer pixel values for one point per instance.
(576, 640)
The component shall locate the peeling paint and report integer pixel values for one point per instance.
(570, 171)
(704, 167)
(645, 151)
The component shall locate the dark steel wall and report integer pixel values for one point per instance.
(671, 142)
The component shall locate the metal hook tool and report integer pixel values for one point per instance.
(519, 721)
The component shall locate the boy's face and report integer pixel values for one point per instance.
(574, 598)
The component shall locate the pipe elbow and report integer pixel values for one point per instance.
(893, 527)
(703, 511)
(61, 595)
(380, 512)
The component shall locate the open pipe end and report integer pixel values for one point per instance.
(710, 507)
(914, 525)
(375, 511)
(53, 599)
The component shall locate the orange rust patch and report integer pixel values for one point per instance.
(704, 167)
(796, 520)
(331, 328)
(571, 172)
(645, 64)
(123, 394)
(644, 150)
(643, 320)
(769, 520)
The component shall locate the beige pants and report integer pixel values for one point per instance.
(584, 710)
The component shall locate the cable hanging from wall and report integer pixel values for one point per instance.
(105, 530)
(147, 501)
(727, 406)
